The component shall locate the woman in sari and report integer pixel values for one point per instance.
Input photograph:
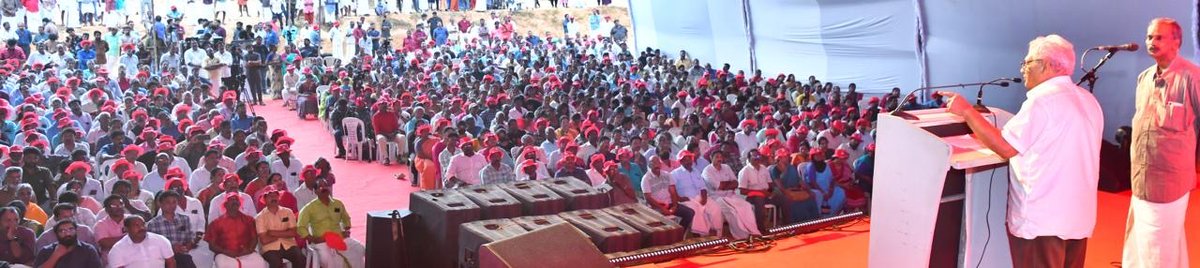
(792, 194)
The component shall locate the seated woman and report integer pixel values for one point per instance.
(792, 195)
(843, 175)
(819, 176)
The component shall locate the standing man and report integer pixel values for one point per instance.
(1164, 152)
(1053, 146)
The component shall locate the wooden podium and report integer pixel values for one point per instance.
(940, 197)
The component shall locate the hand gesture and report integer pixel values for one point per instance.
(955, 103)
(60, 250)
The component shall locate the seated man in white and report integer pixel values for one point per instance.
(722, 185)
(140, 248)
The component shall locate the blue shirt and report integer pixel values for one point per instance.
(24, 37)
(85, 57)
(440, 35)
(635, 173)
(272, 39)
(242, 123)
(160, 30)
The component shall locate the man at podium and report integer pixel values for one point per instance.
(1053, 147)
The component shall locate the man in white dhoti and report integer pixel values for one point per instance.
(1163, 154)
(722, 187)
(690, 186)
(1053, 146)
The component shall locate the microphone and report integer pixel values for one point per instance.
(1125, 47)
(1002, 82)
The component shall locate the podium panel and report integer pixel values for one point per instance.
(940, 197)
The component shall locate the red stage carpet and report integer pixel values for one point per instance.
(372, 186)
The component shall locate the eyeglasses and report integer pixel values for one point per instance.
(1027, 62)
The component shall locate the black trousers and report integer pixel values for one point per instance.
(1047, 251)
(257, 86)
(338, 136)
(685, 215)
(184, 261)
(760, 211)
(294, 255)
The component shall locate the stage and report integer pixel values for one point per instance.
(847, 247)
(367, 187)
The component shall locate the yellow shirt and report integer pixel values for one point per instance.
(317, 218)
(35, 213)
(282, 219)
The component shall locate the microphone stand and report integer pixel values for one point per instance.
(1090, 77)
(899, 113)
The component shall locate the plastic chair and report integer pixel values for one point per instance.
(393, 148)
(332, 62)
(355, 140)
(772, 215)
(104, 170)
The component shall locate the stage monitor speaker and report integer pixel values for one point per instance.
(385, 238)
(560, 245)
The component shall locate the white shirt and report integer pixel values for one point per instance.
(595, 177)
(466, 168)
(151, 252)
(195, 56)
(745, 142)
(1057, 135)
(754, 178)
(713, 177)
(195, 214)
(218, 204)
(303, 196)
(291, 174)
(658, 186)
(854, 153)
(91, 188)
(200, 179)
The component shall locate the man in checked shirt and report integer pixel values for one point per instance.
(175, 227)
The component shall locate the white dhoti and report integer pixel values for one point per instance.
(202, 256)
(252, 260)
(354, 256)
(742, 223)
(1154, 234)
(706, 216)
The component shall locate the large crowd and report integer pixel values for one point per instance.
(141, 148)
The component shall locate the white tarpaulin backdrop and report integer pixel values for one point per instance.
(879, 45)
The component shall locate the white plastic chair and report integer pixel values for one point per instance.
(332, 62)
(393, 149)
(104, 170)
(355, 138)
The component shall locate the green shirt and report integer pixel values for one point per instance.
(317, 218)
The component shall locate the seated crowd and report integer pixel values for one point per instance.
(129, 168)
(712, 146)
